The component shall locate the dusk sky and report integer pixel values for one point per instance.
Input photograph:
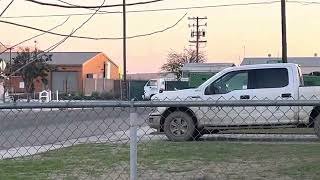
(230, 29)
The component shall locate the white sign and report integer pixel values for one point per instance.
(45, 96)
(21, 85)
(3, 65)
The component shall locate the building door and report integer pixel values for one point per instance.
(65, 81)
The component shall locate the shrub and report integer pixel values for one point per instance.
(95, 95)
(106, 95)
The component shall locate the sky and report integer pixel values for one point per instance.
(232, 32)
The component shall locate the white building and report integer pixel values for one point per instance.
(307, 64)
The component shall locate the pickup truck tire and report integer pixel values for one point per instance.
(179, 126)
(317, 126)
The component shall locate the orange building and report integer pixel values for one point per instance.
(71, 69)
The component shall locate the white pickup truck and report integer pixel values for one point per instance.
(253, 82)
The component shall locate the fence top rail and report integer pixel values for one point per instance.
(228, 103)
(101, 104)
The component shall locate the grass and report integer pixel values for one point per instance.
(216, 160)
(274, 131)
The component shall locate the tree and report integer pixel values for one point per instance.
(32, 66)
(175, 61)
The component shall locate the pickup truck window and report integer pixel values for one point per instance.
(152, 83)
(237, 80)
(268, 78)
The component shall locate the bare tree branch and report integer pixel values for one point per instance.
(175, 61)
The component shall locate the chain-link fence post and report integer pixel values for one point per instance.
(4, 96)
(133, 143)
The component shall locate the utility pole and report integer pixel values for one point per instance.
(124, 41)
(197, 33)
(124, 85)
(10, 70)
(284, 32)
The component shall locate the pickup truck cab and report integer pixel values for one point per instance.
(153, 87)
(252, 82)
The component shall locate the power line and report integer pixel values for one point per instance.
(59, 43)
(150, 10)
(51, 48)
(304, 2)
(93, 38)
(86, 7)
(65, 2)
(2, 44)
(160, 31)
(6, 8)
(26, 40)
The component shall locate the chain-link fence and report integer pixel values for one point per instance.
(176, 139)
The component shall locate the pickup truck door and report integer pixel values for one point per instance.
(230, 86)
(273, 84)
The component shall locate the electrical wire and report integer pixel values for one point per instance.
(7, 7)
(2, 44)
(51, 48)
(150, 10)
(86, 7)
(38, 35)
(93, 38)
(305, 2)
(40, 55)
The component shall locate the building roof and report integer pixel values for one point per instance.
(206, 67)
(148, 76)
(65, 58)
(302, 61)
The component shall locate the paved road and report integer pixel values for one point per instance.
(35, 127)
(43, 127)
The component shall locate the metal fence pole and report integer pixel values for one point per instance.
(133, 143)
(4, 96)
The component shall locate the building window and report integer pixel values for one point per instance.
(90, 76)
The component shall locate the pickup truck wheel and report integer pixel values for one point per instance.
(317, 126)
(179, 126)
